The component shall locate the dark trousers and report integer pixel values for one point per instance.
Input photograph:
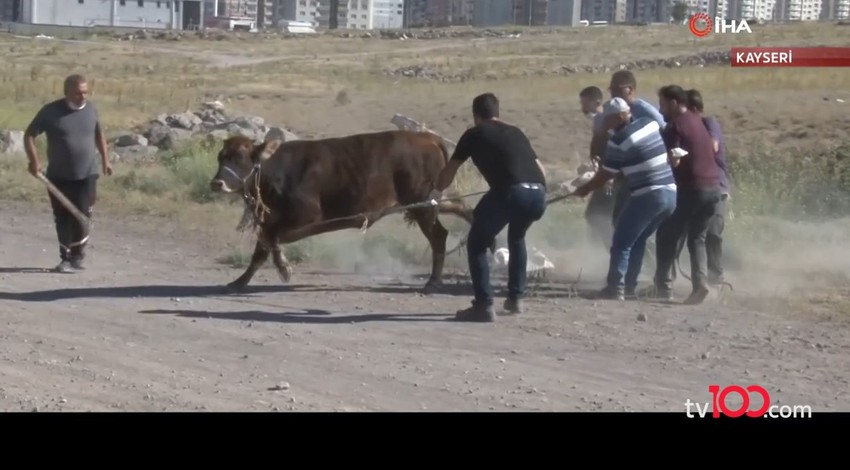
(693, 214)
(73, 236)
(598, 215)
(714, 242)
(621, 195)
(518, 207)
(640, 217)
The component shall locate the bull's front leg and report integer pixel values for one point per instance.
(261, 254)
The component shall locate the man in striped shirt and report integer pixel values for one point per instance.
(636, 151)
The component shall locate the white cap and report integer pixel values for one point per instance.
(615, 106)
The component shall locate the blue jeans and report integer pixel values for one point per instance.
(518, 208)
(639, 219)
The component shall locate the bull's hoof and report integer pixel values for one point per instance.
(285, 274)
(432, 287)
(235, 287)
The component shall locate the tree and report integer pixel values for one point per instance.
(680, 12)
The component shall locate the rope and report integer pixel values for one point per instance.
(679, 248)
(549, 201)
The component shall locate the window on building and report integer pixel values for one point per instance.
(123, 3)
(141, 3)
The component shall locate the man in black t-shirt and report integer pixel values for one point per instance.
(517, 198)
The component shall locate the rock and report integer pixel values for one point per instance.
(11, 142)
(282, 386)
(187, 120)
(127, 140)
(136, 153)
(641, 317)
(280, 133)
(697, 60)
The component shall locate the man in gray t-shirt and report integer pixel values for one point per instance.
(74, 138)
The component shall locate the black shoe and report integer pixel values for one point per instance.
(477, 313)
(64, 267)
(513, 306)
(611, 293)
(654, 293)
(697, 296)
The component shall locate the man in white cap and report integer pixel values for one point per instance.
(636, 151)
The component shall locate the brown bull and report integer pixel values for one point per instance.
(310, 187)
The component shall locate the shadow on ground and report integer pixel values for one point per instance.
(19, 270)
(127, 292)
(320, 317)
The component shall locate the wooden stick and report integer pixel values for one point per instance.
(64, 201)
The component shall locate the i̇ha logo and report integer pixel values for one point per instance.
(701, 25)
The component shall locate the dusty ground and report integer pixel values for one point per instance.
(146, 328)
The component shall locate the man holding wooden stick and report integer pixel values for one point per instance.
(74, 138)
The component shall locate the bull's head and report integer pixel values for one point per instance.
(238, 159)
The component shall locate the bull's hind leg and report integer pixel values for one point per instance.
(284, 269)
(437, 236)
(261, 254)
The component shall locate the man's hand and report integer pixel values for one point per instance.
(581, 191)
(34, 168)
(435, 195)
(107, 168)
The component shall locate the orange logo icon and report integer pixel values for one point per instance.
(700, 25)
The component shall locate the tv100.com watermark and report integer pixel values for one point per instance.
(754, 403)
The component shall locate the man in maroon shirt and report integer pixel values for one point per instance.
(691, 151)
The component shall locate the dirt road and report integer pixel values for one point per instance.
(146, 328)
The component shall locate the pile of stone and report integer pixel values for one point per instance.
(11, 142)
(210, 123)
(698, 60)
(161, 35)
(420, 71)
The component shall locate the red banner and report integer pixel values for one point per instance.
(790, 57)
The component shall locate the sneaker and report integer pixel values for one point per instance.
(477, 313)
(64, 267)
(513, 306)
(77, 264)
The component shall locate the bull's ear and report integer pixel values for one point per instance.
(265, 150)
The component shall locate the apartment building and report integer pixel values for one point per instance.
(835, 10)
(797, 10)
(612, 11)
(714, 8)
(375, 14)
(531, 12)
(147, 14)
(750, 9)
(415, 13)
(493, 13)
(462, 12)
(564, 13)
(10, 10)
